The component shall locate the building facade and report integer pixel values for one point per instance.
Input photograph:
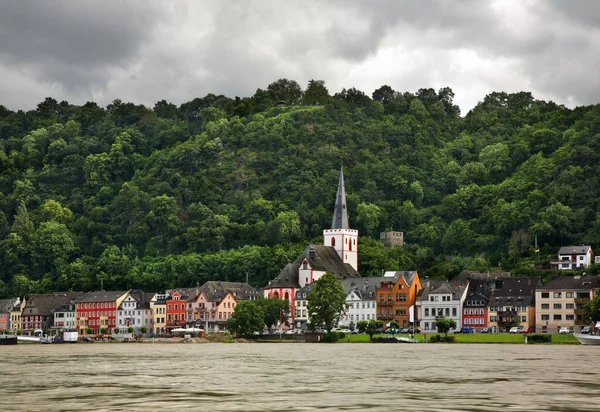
(96, 312)
(574, 257)
(559, 304)
(441, 299)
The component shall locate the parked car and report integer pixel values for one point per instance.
(528, 330)
(586, 330)
(564, 330)
(515, 329)
(485, 330)
(413, 330)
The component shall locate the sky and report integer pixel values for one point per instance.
(145, 51)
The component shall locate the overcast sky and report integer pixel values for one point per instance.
(145, 51)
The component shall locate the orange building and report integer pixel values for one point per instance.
(396, 297)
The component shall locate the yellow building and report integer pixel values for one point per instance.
(15, 315)
(158, 304)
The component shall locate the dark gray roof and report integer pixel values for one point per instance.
(573, 283)
(518, 291)
(101, 296)
(140, 298)
(215, 291)
(189, 294)
(7, 305)
(46, 305)
(319, 257)
(436, 286)
(340, 211)
(574, 250)
(362, 286)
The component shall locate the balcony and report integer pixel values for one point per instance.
(385, 303)
(581, 301)
(385, 317)
(507, 312)
(578, 312)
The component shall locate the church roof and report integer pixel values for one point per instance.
(319, 257)
(340, 211)
(215, 291)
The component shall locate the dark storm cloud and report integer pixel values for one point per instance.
(149, 50)
(73, 42)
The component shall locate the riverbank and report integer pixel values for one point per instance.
(507, 338)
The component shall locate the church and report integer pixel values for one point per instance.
(337, 255)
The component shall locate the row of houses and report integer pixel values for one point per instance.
(493, 302)
(207, 306)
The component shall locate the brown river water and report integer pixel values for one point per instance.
(299, 377)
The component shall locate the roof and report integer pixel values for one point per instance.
(101, 296)
(215, 291)
(362, 286)
(516, 291)
(188, 294)
(409, 276)
(574, 250)
(47, 304)
(573, 283)
(7, 305)
(439, 286)
(340, 211)
(140, 298)
(319, 257)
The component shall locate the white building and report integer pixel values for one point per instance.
(574, 257)
(441, 299)
(64, 318)
(134, 311)
(360, 301)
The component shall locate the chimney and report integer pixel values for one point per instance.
(311, 252)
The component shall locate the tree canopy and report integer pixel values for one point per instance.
(326, 302)
(224, 188)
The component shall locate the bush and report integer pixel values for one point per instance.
(116, 331)
(333, 336)
(539, 338)
(442, 339)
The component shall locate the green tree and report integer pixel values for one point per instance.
(326, 302)
(246, 319)
(591, 310)
(444, 325)
(316, 93)
(372, 327)
(285, 90)
(274, 310)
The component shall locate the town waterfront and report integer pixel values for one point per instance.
(294, 377)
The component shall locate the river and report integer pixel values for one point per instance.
(299, 377)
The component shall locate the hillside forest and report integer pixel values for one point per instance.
(219, 188)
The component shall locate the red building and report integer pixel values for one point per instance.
(176, 307)
(38, 313)
(97, 311)
(475, 306)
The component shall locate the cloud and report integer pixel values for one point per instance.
(147, 51)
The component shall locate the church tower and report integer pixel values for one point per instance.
(340, 236)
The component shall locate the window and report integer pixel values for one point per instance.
(545, 306)
(447, 311)
(569, 317)
(569, 306)
(426, 311)
(557, 306)
(523, 318)
(557, 317)
(466, 311)
(453, 311)
(581, 257)
(557, 294)
(545, 295)
(569, 294)
(545, 317)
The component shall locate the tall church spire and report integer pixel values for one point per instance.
(340, 212)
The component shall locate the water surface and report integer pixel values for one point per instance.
(299, 377)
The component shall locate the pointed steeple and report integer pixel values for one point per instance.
(340, 212)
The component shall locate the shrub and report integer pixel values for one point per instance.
(116, 331)
(442, 339)
(539, 338)
(333, 336)
(103, 331)
(130, 329)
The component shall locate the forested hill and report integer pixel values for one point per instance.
(229, 188)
